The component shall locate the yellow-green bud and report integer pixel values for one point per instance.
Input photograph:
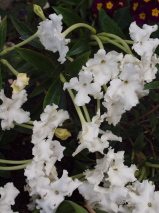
(63, 134)
(39, 12)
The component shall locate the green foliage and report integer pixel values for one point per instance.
(38, 60)
(75, 66)
(152, 85)
(108, 25)
(3, 32)
(54, 93)
(69, 17)
(68, 206)
(122, 17)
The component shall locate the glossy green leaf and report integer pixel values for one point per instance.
(41, 87)
(3, 32)
(152, 85)
(79, 47)
(54, 94)
(122, 17)
(76, 207)
(65, 207)
(8, 136)
(38, 60)
(139, 143)
(25, 32)
(69, 17)
(155, 178)
(21, 27)
(75, 66)
(108, 25)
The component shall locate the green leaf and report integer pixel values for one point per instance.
(41, 87)
(108, 25)
(75, 66)
(7, 136)
(3, 32)
(37, 60)
(25, 32)
(122, 17)
(152, 85)
(54, 94)
(69, 17)
(79, 47)
(21, 27)
(155, 178)
(68, 206)
(139, 143)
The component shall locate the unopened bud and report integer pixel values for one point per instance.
(39, 11)
(63, 134)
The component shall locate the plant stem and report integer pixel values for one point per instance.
(98, 104)
(73, 27)
(79, 112)
(6, 63)
(119, 39)
(30, 122)
(15, 161)
(10, 168)
(18, 45)
(98, 41)
(142, 174)
(151, 165)
(79, 176)
(24, 125)
(86, 113)
(102, 38)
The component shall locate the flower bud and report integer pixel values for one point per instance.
(39, 12)
(19, 84)
(63, 134)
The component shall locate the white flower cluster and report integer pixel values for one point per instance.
(7, 195)
(93, 138)
(124, 76)
(49, 33)
(115, 194)
(10, 110)
(43, 184)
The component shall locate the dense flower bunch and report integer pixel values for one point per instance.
(110, 6)
(114, 80)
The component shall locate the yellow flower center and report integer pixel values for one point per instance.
(155, 12)
(147, 0)
(109, 5)
(149, 204)
(121, 3)
(135, 6)
(99, 5)
(142, 16)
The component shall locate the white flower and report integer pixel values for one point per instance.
(142, 197)
(50, 120)
(51, 37)
(55, 192)
(7, 195)
(85, 87)
(88, 137)
(10, 110)
(104, 66)
(143, 44)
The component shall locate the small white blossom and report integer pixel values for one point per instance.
(7, 195)
(84, 87)
(10, 110)
(143, 44)
(51, 37)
